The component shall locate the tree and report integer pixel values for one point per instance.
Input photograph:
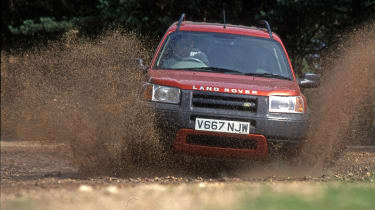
(307, 28)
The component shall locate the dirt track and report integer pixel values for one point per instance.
(30, 166)
(95, 99)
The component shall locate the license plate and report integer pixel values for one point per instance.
(225, 126)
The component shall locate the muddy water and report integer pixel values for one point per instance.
(349, 83)
(86, 93)
(347, 87)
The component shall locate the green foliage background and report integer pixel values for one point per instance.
(308, 28)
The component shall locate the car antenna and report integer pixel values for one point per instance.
(182, 18)
(265, 22)
(224, 17)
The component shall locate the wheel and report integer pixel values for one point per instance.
(92, 159)
(285, 151)
(134, 160)
(336, 153)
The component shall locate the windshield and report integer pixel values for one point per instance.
(228, 53)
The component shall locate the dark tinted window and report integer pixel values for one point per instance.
(244, 54)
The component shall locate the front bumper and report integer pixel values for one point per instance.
(178, 122)
(259, 152)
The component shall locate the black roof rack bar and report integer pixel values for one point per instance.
(265, 22)
(182, 18)
(224, 18)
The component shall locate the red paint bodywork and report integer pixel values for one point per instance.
(188, 79)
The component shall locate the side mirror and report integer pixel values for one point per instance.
(309, 80)
(136, 63)
(141, 65)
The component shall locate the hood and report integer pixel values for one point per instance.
(224, 83)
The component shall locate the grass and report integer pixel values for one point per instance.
(205, 196)
(20, 203)
(343, 196)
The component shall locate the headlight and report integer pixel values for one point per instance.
(287, 104)
(162, 93)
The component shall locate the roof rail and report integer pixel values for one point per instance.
(265, 22)
(224, 18)
(182, 18)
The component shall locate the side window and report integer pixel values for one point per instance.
(282, 64)
(165, 52)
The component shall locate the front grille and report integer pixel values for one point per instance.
(224, 101)
(221, 141)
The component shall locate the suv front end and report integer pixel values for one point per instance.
(233, 94)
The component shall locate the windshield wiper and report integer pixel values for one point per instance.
(268, 75)
(214, 69)
(224, 70)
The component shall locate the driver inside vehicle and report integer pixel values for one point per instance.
(182, 54)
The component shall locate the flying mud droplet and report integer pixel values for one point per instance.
(346, 90)
(87, 94)
(347, 86)
(84, 93)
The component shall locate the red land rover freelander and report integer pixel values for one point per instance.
(226, 91)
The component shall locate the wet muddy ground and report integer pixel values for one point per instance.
(30, 166)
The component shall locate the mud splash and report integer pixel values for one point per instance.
(347, 92)
(347, 86)
(85, 93)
